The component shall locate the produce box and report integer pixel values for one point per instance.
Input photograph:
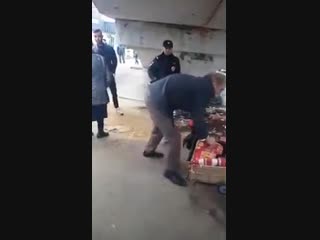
(206, 154)
(208, 163)
(211, 175)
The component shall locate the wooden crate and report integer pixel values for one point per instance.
(211, 175)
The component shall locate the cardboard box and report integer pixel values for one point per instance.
(211, 175)
(199, 171)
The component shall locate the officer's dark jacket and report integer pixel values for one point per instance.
(163, 66)
(184, 92)
(109, 55)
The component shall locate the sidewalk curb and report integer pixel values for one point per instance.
(132, 99)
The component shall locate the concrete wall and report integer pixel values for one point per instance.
(188, 39)
(195, 67)
(144, 24)
(200, 51)
(201, 13)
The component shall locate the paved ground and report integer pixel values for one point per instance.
(131, 199)
(131, 80)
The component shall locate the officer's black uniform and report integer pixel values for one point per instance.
(164, 65)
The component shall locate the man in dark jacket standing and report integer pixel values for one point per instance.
(111, 62)
(178, 91)
(164, 64)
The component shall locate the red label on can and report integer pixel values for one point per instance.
(206, 155)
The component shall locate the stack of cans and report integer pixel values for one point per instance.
(211, 162)
(209, 155)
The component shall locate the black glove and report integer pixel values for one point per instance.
(189, 141)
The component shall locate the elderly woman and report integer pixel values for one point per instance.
(100, 97)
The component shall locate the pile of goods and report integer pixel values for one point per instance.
(217, 126)
(208, 155)
(207, 161)
(217, 123)
(182, 119)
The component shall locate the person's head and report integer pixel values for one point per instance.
(98, 37)
(218, 80)
(167, 47)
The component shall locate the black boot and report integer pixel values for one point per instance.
(102, 134)
(153, 154)
(175, 178)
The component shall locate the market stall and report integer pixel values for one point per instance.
(207, 161)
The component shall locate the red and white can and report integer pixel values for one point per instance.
(221, 162)
(214, 162)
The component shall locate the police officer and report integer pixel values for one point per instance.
(164, 64)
